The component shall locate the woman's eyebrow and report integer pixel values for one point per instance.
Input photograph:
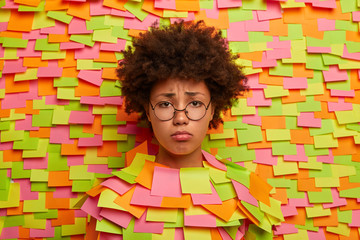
(194, 93)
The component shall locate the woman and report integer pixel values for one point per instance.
(180, 78)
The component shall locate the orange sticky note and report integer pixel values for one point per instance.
(45, 87)
(260, 189)
(223, 211)
(56, 203)
(11, 155)
(187, 5)
(115, 4)
(142, 148)
(65, 217)
(86, 89)
(301, 136)
(80, 10)
(328, 221)
(148, 6)
(124, 202)
(15, 87)
(59, 179)
(33, 3)
(171, 202)
(109, 73)
(273, 122)
(20, 21)
(43, 132)
(106, 57)
(108, 149)
(34, 62)
(146, 175)
(53, 5)
(72, 149)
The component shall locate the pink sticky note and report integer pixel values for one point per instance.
(165, 4)
(91, 76)
(134, 23)
(71, 45)
(325, 4)
(264, 156)
(91, 208)
(213, 12)
(88, 52)
(59, 28)
(3, 27)
(255, 25)
(276, 43)
(326, 158)
(342, 93)
(207, 220)
(60, 134)
(258, 99)
(81, 117)
(339, 106)
(48, 232)
(142, 226)
(80, 213)
(142, 197)
(265, 62)
(326, 24)
(110, 236)
(13, 66)
(355, 219)
(319, 235)
(99, 168)
(337, 200)
(224, 234)
(78, 26)
(236, 32)
(213, 198)
(113, 47)
(75, 160)
(295, 83)
(288, 210)
(307, 119)
(53, 100)
(318, 49)
(229, 3)
(354, 56)
(64, 192)
(121, 218)
(278, 53)
(117, 185)
(243, 193)
(300, 155)
(129, 128)
(119, 13)
(335, 74)
(10, 233)
(285, 228)
(36, 163)
(253, 82)
(25, 190)
(166, 182)
(97, 8)
(52, 70)
(179, 234)
(252, 119)
(29, 51)
(6, 146)
(25, 124)
(273, 11)
(212, 161)
(95, 141)
(300, 202)
(355, 16)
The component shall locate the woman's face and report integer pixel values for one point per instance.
(180, 135)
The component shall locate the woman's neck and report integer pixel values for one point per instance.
(166, 158)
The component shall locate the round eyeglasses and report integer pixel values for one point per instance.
(166, 111)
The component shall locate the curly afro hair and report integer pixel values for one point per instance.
(183, 51)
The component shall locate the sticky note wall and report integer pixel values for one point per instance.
(63, 125)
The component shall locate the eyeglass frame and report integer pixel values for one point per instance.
(180, 110)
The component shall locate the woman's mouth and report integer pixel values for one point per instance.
(181, 136)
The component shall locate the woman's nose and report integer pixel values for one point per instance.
(180, 117)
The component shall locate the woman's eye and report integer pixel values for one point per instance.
(164, 104)
(195, 103)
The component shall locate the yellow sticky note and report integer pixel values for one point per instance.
(107, 198)
(195, 210)
(275, 91)
(197, 233)
(107, 226)
(29, 74)
(91, 157)
(168, 233)
(31, 222)
(290, 109)
(284, 168)
(195, 180)
(327, 182)
(217, 175)
(60, 116)
(39, 175)
(312, 163)
(342, 170)
(107, 109)
(353, 116)
(325, 141)
(110, 134)
(39, 152)
(341, 229)
(79, 172)
(14, 197)
(138, 163)
(36, 205)
(278, 134)
(75, 229)
(227, 133)
(274, 209)
(317, 211)
(161, 214)
(292, 4)
(241, 108)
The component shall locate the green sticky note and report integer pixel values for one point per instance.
(111, 20)
(227, 133)
(37, 205)
(254, 5)
(137, 163)
(41, 187)
(57, 162)
(18, 171)
(104, 35)
(27, 142)
(97, 22)
(108, 89)
(344, 216)
(255, 211)
(340, 85)
(60, 16)
(125, 176)
(42, 44)
(116, 162)
(29, 74)
(283, 148)
(43, 119)
(31, 222)
(346, 25)
(314, 61)
(83, 38)
(282, 69)
(315, 42)
(326, 128)
(82, 185)
(342, 170)
(290, 109)
(216, 175)
(310, 105)
(310, 150)
(39, 175)
(66, 82)
(239, 47)
(325, 171)
(294, 33)
(197, 233)
(309, 225)
(14, 42)
(109, 227)
(79, 227)
(279, 182)
(249, 135)
(238, 173)
(66, 93)
(111, 120)
(12, 221)
(80, 172)
(324, 196)
(312, 163)
(237, 154)
(348, 6)
(76, 131)
(105, 110)
(110, 134)
(136, 9)
(120, 32)
(259, 37)
(124, 146)
(38, 8)
(41, 20)
(331, 59)
(274, 110)
(292, 191)
(200, 176)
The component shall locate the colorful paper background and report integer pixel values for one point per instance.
(63, 125)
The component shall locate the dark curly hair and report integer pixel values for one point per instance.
(183, 51)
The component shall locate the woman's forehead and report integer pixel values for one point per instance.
(172, 87)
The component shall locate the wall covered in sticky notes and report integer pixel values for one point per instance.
(63, 125)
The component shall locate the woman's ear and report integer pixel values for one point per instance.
(147, 109)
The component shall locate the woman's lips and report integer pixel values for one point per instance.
(181, 136)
